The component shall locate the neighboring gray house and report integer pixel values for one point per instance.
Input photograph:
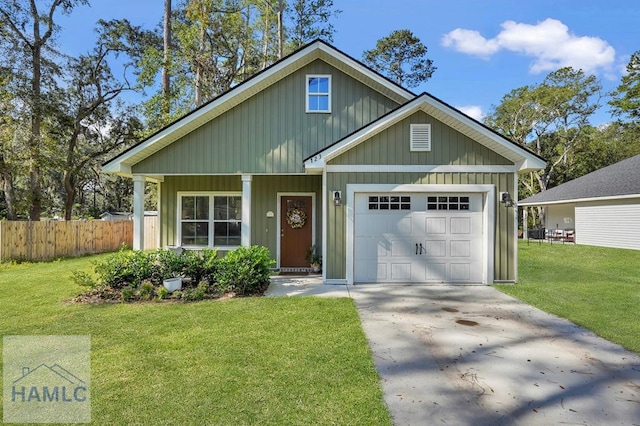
(602, 207)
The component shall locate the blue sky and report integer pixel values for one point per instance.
(482, 48)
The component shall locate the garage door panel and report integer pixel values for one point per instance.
(401, 271)
(436, 225)
(460, 248)
(372, 248)
(460, 272)
(371, 271)
(435, 248)
(460, 225)
(436, 272)
(402, 248)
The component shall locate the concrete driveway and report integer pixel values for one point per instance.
(471, 355)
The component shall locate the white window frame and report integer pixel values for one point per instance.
(211, 221)
(327, 94)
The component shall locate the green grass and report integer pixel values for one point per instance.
(238, 361)
(595, 287)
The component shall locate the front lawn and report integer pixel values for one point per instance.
(237, 361)
(595, 287)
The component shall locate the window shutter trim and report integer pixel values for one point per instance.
(420, 137)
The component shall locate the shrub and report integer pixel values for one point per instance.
(165, 264)
(128, 293)
(162, 292)
(124, 268)
(200, 265)
(245, 270)
(146, 290)
(83, 279)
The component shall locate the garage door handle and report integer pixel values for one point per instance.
(420, 248)
(416, 248)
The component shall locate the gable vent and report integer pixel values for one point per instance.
(420, 137)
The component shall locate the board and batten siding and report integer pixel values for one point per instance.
(448, 146)
(271, 132)
(264, 198)
(505, 247)
(609, 225)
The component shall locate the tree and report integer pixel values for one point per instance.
(626, 98)
(549, 119)
(310, 20)
(166, 74)
(22, 33)
(401, 56)
(91, 122)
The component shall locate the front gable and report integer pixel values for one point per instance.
(251, 115)
(448, 125)
(271, 132)
(392, 147)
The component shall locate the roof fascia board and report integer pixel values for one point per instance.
(580, 200)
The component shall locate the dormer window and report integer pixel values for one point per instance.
(319, 93)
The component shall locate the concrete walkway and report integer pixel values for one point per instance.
(470, 355)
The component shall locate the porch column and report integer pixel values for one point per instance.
(525, 223)
(138, 212)
(245, 238)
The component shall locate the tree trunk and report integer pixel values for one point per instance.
(35, 189)
(166, 79)
(70, 194)
(8, 189)
(280, 29)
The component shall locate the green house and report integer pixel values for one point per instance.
(319, 149)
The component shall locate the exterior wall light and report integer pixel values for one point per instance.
(337, 198)
(506, 199)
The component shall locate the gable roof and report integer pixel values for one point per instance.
(619, 180)
(317, 49)
(524, 159)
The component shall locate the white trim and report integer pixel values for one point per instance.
(159, 209)
(138, 212)
(245, 235)
(307, 94)
(418, 168)
(488, 215)
(325, 211)
(580, 200)
(279, 196)
(514, 196)
(211, 222)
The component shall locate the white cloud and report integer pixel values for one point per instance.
(549, 43)
(473, 111)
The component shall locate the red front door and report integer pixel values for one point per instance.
(296, 219)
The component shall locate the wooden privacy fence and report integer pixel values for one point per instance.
(51, 239)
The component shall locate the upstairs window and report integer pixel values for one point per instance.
(318, 93)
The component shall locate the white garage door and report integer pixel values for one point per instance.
(418, 237)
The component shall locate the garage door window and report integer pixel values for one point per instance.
(444, 202)
(389, 202)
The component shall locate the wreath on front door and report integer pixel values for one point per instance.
(296, 218)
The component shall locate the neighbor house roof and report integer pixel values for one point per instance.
(619, 180)
(317, 49)
(523, 159)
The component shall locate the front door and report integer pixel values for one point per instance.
(296, 223)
